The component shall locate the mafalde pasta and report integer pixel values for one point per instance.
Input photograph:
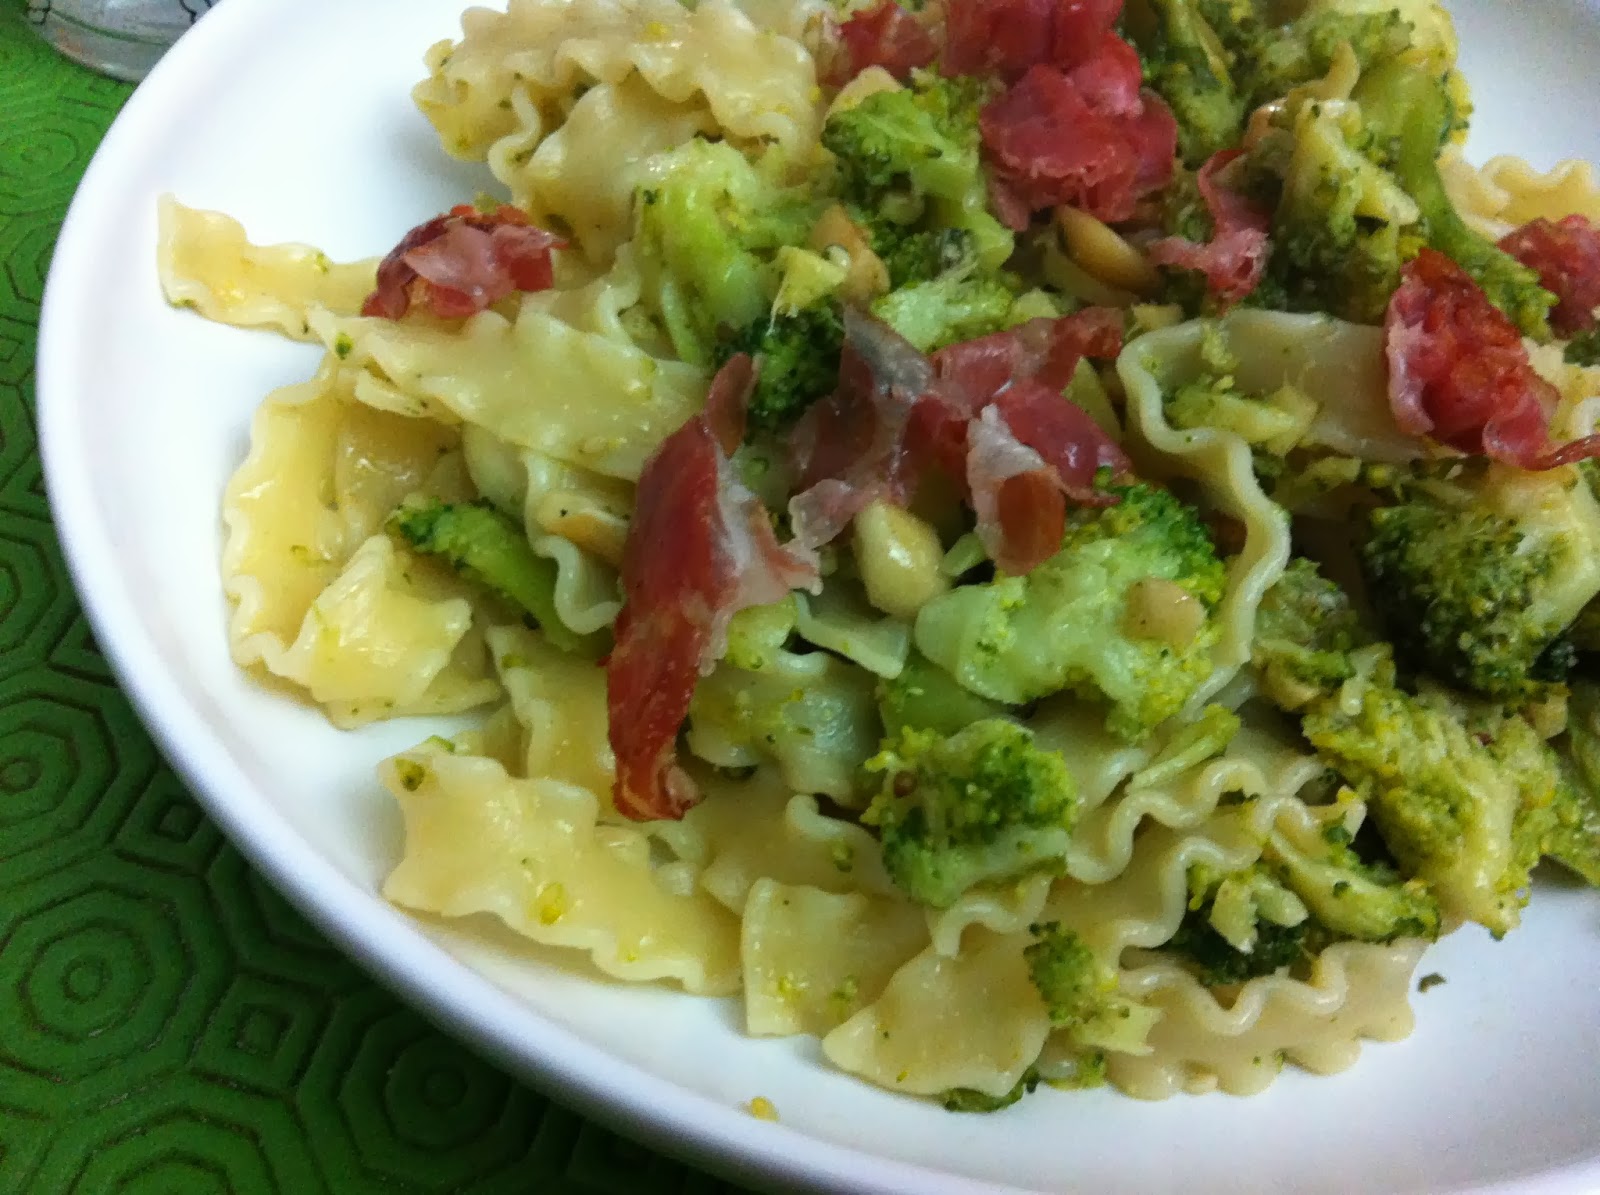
(1037, 560)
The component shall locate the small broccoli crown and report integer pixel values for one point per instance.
(950, 308)
(797, 357)
(489, 549)
(1460, 807)
(1583, 349)
(1410, 113)
(926, 697)
(1075, 985)
(1342, 225)
(979, 806)
(1186, 64)
(919, 255)
(1221, 959)
(909, 158)
(709, 224)
(1121, 614)
(1478, 579)
(1289, 55)
(968, 1099)
(924, 136)
(1305, 632)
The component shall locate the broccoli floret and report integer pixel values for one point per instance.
(926, 697)
(1583, 349)
(1074, 983)
(1240, 926)
(1463, 808)
(1574, 836)
(709, 225)
(1410, 113)
(1305, 632)
(797, 358)
(969, 1099)
(1122, 613)
(1351, 898)
(1342, 226)
(1289, 55)
(979, 806)
(919, 255)
(1477, 578)
(912, 155)
(1187, 65)
(953, 307)
(486, 547)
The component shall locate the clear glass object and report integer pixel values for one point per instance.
(120, 38)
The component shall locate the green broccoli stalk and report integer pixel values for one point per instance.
(1478, 578)
(489, 549)
(709, 226)
(912, 155)
(1410, 113)
(926, 697)
(1464, 808)
(1122, 613)
(1351, 898)
(983, 805)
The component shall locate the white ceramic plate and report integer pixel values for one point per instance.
(294, 116)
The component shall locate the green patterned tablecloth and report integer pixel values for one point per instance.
(167, 1023)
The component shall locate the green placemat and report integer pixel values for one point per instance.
(168, 1024)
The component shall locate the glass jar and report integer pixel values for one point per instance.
(120, 38)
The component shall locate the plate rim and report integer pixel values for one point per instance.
(679, 1122)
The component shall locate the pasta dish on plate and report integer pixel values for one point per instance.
(1034, 541)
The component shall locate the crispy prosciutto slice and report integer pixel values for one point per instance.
(1028, 453)
(1458, 371)
(1076, 138)
(1236, 256)
(700, 549)
(854, 448)
(1006, 37)
(884, 35)
(1566, 256)
(1046, 349)
(988, 412)
(458, 264)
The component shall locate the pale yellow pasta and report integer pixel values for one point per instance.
(812, 959)
(1355, 990)
(536, 383)
(971, 1021)
(535, 854)
(651, 74)
(318, 597)
(1507, 192)
(206, 261)
(769, 834)
(560, 703)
